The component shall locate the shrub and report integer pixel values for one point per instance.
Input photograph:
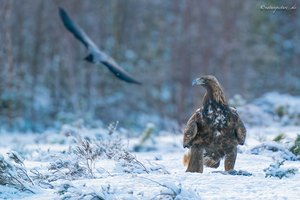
(14, 174)
(275, 170)
(296, 147)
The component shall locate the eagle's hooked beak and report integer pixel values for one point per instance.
(198, 81)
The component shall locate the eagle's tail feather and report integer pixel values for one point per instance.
(186, 158)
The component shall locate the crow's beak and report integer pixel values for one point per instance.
(198, 81)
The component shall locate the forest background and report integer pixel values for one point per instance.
(45, 83)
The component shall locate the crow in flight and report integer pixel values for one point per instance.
(95, 55)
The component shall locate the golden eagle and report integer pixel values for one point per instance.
(213, 131)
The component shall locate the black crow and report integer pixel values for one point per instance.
(95, 55)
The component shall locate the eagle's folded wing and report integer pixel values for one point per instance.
(240, 131)
(191, 130)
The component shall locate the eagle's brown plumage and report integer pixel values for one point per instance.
(213, 131)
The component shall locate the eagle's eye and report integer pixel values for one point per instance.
(204, 81)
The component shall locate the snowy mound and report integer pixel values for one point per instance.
(282, 109)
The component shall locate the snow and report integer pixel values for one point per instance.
(220, 120)
(217, 133)
(171, 180)
(157, 172)
(271, 109)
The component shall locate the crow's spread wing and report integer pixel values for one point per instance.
(76, 30)
(119, 72)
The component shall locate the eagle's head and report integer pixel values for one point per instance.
(213, 88)
(207, 81)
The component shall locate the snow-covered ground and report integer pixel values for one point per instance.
(77, 163)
